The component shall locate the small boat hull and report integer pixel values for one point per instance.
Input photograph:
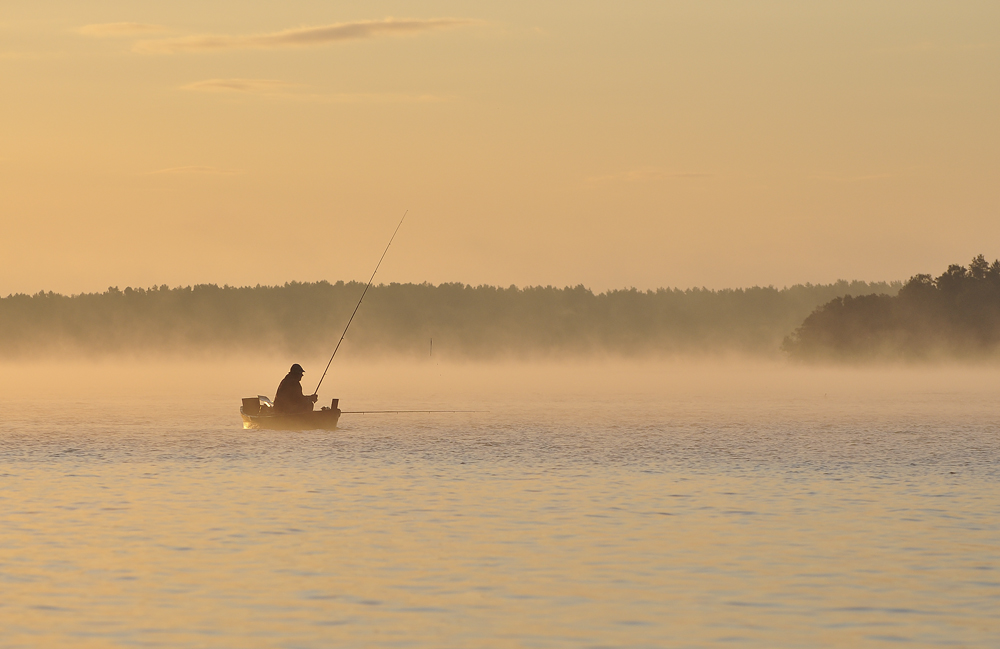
(313, 420)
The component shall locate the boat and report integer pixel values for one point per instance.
(259, 412)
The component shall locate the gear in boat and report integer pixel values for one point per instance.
(290, 410)
(259, 412)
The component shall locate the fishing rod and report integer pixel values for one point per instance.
(316, 391)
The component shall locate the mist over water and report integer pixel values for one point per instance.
(685, 503)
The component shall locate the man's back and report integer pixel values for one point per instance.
(289, 397)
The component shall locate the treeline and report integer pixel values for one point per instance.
(955, 315)
(463, 321)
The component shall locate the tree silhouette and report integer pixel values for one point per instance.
(464, 321)
(955, 315)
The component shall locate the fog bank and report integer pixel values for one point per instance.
(757, 388)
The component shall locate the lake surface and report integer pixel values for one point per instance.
(668, 505)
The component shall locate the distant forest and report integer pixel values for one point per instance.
(303, 319)
(955, 315)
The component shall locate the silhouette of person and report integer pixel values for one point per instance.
(289, 397)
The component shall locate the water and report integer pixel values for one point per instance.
(592, 506)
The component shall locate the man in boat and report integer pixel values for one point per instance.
(289, 397)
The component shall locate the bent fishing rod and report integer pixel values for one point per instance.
(316, 391)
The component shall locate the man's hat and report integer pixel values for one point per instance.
(296, 369)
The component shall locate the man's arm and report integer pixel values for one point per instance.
(312, 398)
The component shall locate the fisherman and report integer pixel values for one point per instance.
(289, 397)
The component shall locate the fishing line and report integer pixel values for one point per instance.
(396, 412)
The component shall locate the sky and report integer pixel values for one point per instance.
(611, 144)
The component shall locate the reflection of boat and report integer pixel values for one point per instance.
(259, 412)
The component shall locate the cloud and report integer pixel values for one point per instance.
(115, 30)
(299, 92)
(378, 98)
(930, 46)
(854, 179)
(911, 48)
(645, 174)
(24, 56)
(300, 37)
(979, 47)
(267, 86)
(196, 170)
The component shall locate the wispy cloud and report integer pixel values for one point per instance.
(911, 48)
(196, 171)
(645, 174)
(936, 47)
(854, 179)
(299, 92)
(300, 36)
(267, 86)
(118, 30)
(376, 98)
(980, 47)
(24, 56)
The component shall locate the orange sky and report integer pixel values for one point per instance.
(612, 144)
